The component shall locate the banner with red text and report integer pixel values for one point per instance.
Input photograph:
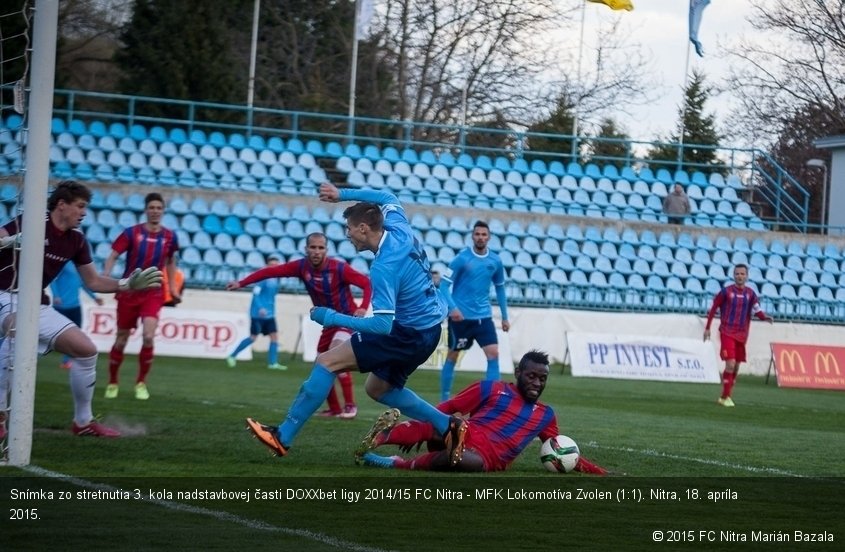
(642, 357)
(810, 366)
(181, 332)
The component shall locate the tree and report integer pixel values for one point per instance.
(696, 128)
(793, 63)
(481, 50)
(551, 138)
(610, 145)
(184, 50)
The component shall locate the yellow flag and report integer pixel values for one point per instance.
(615, 4)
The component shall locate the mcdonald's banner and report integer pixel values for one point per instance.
(810, 366)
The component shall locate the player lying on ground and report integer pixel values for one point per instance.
(503, 419)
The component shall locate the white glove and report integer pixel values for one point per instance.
(141, 279)
(10, 241)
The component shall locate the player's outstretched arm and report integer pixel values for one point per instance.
(332, 194)
(138, 280)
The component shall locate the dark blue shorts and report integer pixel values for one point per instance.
(463, 333)
(394, 357)
(73, 314)
(262, 326)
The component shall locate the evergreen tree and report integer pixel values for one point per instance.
(610, 145)
(559, 122)
(184, 50)
(698, 130)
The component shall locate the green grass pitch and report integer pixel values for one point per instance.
(683, 464)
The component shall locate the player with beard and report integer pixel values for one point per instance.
(328, 281)
(503, 419)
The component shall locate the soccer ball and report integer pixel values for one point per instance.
(559, 454)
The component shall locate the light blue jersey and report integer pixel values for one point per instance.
(401, 273)
(66, 287)
(470, 276)
(264, 299)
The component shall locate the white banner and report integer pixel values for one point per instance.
(181, 332)
(472, 360)
(642, 357)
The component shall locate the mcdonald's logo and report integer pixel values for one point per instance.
(827, 360)
(794, 359)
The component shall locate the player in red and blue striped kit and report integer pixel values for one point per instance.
(503, 420)
(328, 282)
(736, 304)
(146, 245)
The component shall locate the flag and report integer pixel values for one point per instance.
(363, 18)
(615, 4)
(696, 7)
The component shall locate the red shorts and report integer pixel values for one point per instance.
(137, 304)
(732, 349)
(328, 336)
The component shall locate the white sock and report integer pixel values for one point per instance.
(83, 376)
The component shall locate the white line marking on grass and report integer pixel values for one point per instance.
(216, 514)
(720, 463)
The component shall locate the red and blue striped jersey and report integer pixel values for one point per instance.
(736, 306)
(328, 285)
(144, 248)
(501, 417)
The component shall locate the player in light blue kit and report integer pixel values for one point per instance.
(400, 335)
(466, 288)
(262, 314)
(65, 289)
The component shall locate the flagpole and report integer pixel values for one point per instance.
(578, 81)
(354, 71)
(683, 110)
(250, 93)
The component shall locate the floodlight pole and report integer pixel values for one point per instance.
(819, 163)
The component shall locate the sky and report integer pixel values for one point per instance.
(661, 27)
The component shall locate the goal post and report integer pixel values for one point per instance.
(36, 177)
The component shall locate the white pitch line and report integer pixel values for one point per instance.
(216, 514)
(720, 463)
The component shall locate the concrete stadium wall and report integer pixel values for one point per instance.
(546, 328)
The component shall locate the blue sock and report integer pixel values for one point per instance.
(65, 359)
(411, 405)
(273, 353)
(447, 374)
(241, 346)
(311, 395)
(493, 369)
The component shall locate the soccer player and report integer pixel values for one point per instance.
(328, 282)
(736, 304)
(466, 288)
(262, 314)
(400, 335)
(65, 289)
(503, 420)
(64, 242)
(148, 244)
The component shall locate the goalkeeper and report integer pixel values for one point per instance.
(64, 242)
(503, 419)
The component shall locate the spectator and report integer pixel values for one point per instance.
(676, 205)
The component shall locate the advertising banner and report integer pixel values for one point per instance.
(642, 357)
(809, 366)
(181, 332)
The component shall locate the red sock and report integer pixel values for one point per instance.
(728, 380)
(145, 362)
(334, 405)
(585, 466)
(409, 433)
(346, 384)
(421, 462)
(115, 360)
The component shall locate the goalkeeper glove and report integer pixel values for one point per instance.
(10, 241)
(141, 279)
